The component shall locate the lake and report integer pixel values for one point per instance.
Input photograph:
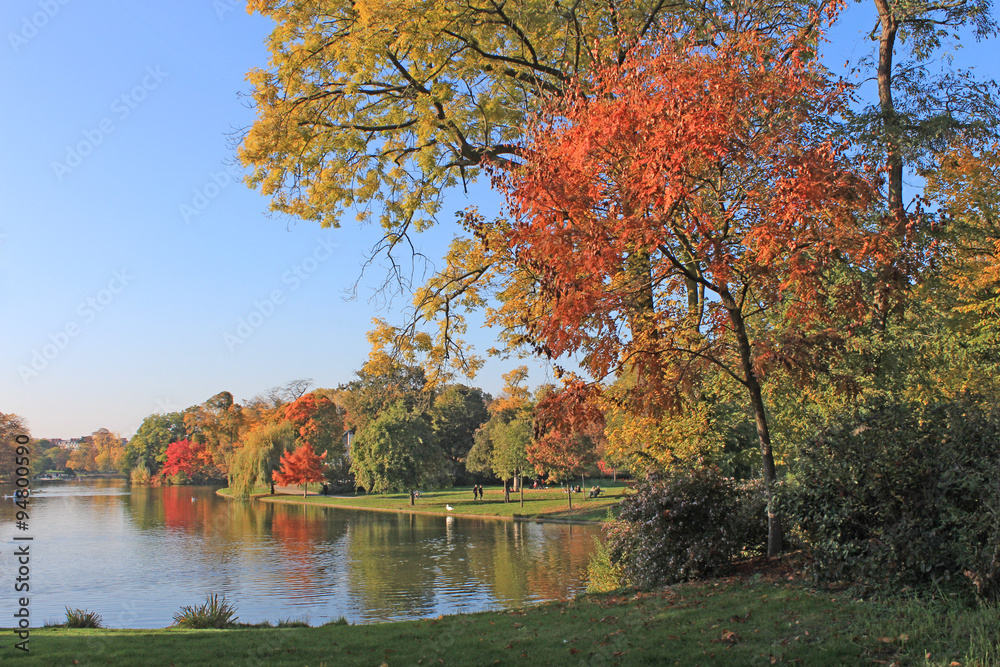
(137, 555)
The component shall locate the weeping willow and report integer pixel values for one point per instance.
(252, 463)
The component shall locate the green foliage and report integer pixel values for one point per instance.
(82, 618)
(397, 451)
(214, 613)
(457, 412)
(140, 475)
(904, 494)
(150, 442)
(253, 463)
(603, 576)
(685, 526)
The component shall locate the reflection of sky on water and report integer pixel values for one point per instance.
(137, 556)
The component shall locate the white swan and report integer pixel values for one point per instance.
(449, 507)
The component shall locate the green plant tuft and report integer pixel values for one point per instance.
(214, 613)
(340, 621)
(82, 618)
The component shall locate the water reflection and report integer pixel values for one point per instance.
(137, 555)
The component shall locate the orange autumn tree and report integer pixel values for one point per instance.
(300, 467)
(687, 212)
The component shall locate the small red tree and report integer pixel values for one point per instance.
(301, 467)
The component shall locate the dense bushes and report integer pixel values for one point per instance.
(905, 495)
(684, 526)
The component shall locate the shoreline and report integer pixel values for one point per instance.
(268, 498)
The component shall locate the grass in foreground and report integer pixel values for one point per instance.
(538, 503)
(754, 621)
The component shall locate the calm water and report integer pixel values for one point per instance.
(136, 556)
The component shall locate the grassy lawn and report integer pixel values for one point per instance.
(538, 503)
(749, 621)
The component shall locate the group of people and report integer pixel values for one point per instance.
(477, 492)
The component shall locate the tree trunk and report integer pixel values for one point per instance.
(522, 491)
(889, 25)
(305, 489)
(569, 494)
(775, 535)
(411, 498)
(583, 486)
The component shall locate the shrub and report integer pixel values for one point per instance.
(603, 576)
(82, 618)
(140, 475)
(905, 495)
(684, 526)
(215, 613)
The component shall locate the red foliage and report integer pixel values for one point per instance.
(300, 467)
(318, 420)
(188, 457)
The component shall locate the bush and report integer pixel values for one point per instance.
(82, 618)
(215, 613)
(685, 526)
(906, 495)
(603, 576)
(140, 475)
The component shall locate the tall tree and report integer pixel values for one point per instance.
(397, 451)
(692, 191)
(457, 413)
(377, 386)
(919, 112)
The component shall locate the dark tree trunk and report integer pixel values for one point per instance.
(775, 536)
(889, 25)
(411, 498)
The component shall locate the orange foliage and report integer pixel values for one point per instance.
(683, 171)
(300, 467)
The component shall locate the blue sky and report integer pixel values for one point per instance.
(129, 250)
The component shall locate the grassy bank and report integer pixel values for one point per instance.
(750, 621)
(547, 504)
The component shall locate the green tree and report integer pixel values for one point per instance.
(253, 463)
(149, 444)
(457, 413)
(376, 387)
(397, 451)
